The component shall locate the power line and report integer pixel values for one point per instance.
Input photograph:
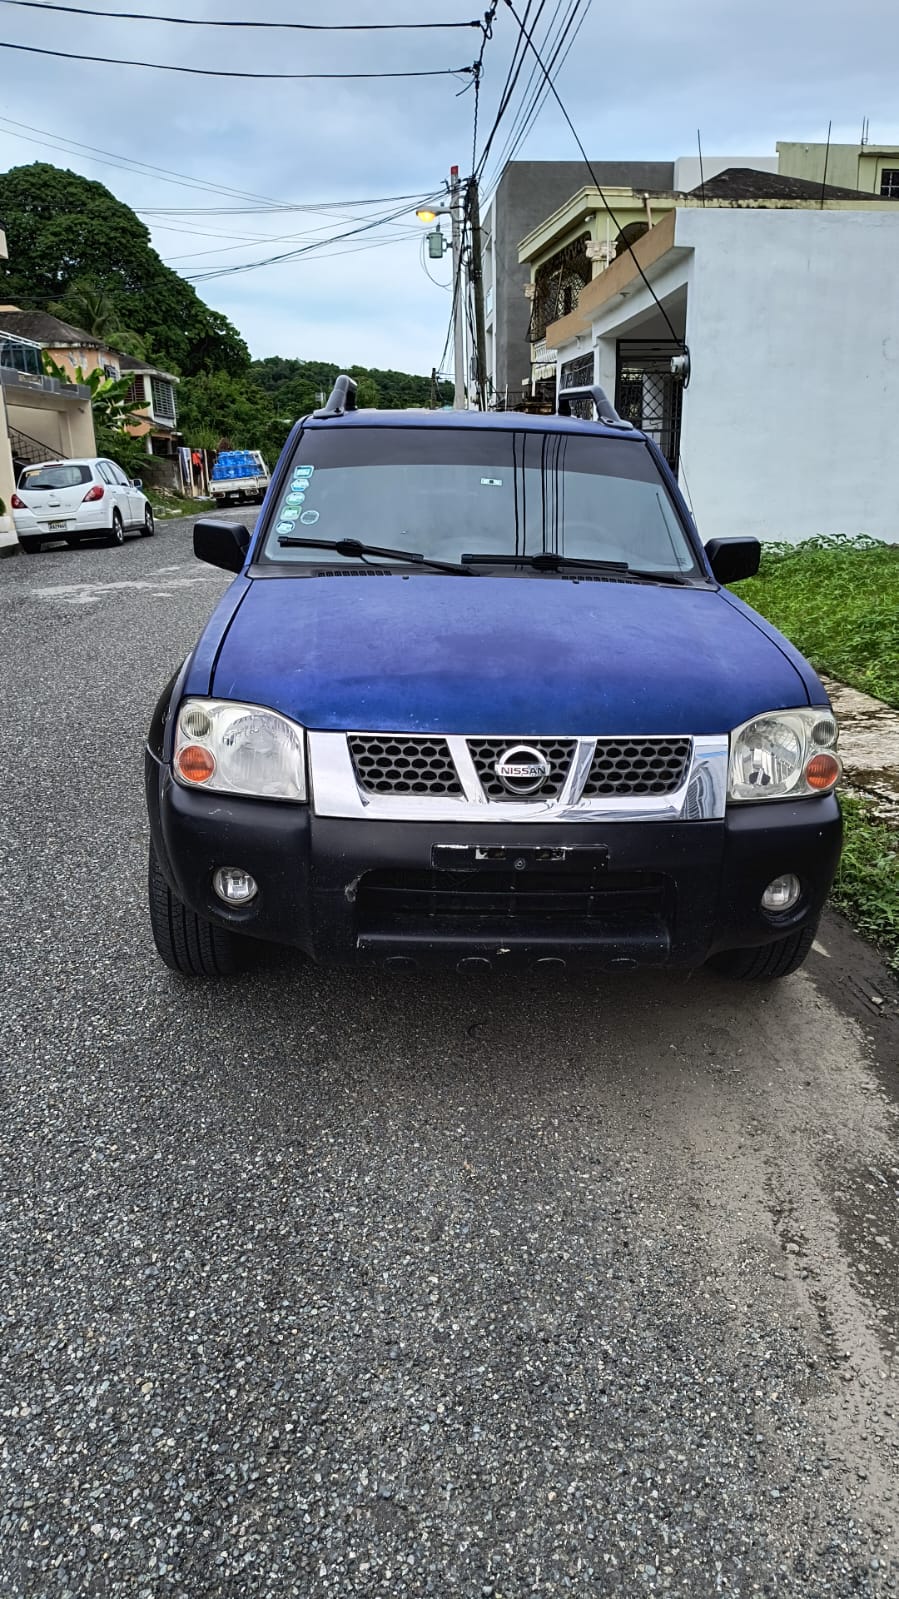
(320, 207)
(314, 243)
(181, 179)
(588, 164)
(529, 108)
(210, 22)
(212, 72)
(512, 76)
(293, 255)
(477, 69)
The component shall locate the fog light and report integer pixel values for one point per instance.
(234, 886)
(782, 894)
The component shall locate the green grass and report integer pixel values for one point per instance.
(166, 505)
(867, 884)
(837, 599)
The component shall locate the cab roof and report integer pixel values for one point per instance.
(502, 421)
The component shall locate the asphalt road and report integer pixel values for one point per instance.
(317, 1283)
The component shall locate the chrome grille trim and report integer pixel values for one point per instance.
(336, 792)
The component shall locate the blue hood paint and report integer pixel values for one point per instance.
(499, 655)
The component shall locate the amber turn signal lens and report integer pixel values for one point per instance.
(822, 771)
(197, 765)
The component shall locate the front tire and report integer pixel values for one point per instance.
(117, 531)
(767, 962)
(187, 943)
(149, 526)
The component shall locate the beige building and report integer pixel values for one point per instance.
(871, 168)
(152, 395)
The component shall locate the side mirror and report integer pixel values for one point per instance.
(221, 543)
(137, 482)
(733, 559)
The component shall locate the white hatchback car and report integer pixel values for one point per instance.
(75, 500)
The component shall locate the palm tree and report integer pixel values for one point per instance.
(88, 305)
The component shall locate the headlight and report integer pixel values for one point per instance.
(239, 749)
(784, 755)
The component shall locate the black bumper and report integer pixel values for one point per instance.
(614, 895)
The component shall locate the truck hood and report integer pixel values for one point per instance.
(486, 655)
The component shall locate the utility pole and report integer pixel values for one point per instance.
(476, 279)
(455, 209)
(433, 388)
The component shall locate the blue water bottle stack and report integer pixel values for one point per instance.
(234, 464)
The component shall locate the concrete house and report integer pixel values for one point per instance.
(527, 195)
(152, 391)
(787, 298)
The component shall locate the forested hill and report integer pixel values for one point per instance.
(297, 386)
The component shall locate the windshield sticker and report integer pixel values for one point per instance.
(296, 497)
(309, 518)
(284, 527)
(289, 514)
(303, 471)
(492, 482)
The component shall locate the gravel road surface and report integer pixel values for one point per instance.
(335, 1284)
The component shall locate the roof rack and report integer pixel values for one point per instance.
(342, 398)
(605, 410)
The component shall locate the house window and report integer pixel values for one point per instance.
(163, 399)
(136, 396)
(889, 183)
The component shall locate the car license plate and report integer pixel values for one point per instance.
(53, 526)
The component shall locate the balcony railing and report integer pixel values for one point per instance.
(20, 355)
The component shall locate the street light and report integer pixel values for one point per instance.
(426, 214)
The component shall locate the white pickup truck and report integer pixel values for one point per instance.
(239, 476)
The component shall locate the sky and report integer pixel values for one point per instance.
(637, 83)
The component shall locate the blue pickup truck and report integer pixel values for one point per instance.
(478, 697)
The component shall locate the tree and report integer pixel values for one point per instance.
(215, 405)
(88, 305)
(295, 386)
(109, 404)
(64, 230)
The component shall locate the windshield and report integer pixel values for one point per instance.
(55, 477)
(447, 492)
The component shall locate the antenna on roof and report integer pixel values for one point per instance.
(824, 173)
(865, 131)
(701, 173)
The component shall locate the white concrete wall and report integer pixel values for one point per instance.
(687, 175)
(789, 423)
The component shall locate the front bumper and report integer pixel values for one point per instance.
(618, 896)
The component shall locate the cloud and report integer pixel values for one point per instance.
(637, 83)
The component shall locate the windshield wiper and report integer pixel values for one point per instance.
(354, 548)
(547, 561)
(679, 579)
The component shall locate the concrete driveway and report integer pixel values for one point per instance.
(327, 1284)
